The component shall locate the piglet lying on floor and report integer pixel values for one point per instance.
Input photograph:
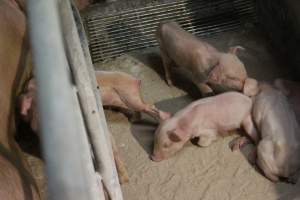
(123, 90)
(279, 148)
(208, 119)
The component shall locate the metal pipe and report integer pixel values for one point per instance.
(69, 167)
(96, 124)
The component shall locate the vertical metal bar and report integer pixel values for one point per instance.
(96, 124)
(69, 167)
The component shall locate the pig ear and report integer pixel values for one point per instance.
(173, 136)
(235, 49)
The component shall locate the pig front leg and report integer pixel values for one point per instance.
(207, 137)
(134, 101)
(250, 129)
(205, 90)
(154, 112)
(167, 66)
(201, 82)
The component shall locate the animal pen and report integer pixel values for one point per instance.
(120, 36)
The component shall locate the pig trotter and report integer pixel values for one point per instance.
(205, 90)
(206, 140)
(155, 113)
(239, 142)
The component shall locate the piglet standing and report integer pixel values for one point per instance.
(207, 66)
(279, 147)
(208, 119)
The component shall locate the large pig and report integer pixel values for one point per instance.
(279, 147)
(207, 66)
(291, 89)
(123, 90)
(16, 181)
(208, 119)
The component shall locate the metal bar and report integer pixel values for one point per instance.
(133, 28)
(157, 13)
(169, 5)
(150, 34)
(106, 47)
(63, 135)
(99, 136)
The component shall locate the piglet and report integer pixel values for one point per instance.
(208, 67)
(123, 90)
(208, 119)
(279, 147)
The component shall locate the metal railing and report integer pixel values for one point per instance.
(73, 126)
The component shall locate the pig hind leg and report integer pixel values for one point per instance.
(135, 102)
(265, 160)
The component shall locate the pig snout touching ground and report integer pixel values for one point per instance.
(208, 119)
(123, 90)
(291, 89)
(279, 148)
(208, 66)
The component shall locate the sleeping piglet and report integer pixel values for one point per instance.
(208, 67)
(279, 147)
(208, 119)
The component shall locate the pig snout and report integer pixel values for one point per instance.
(25, 104)
(251, 87)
